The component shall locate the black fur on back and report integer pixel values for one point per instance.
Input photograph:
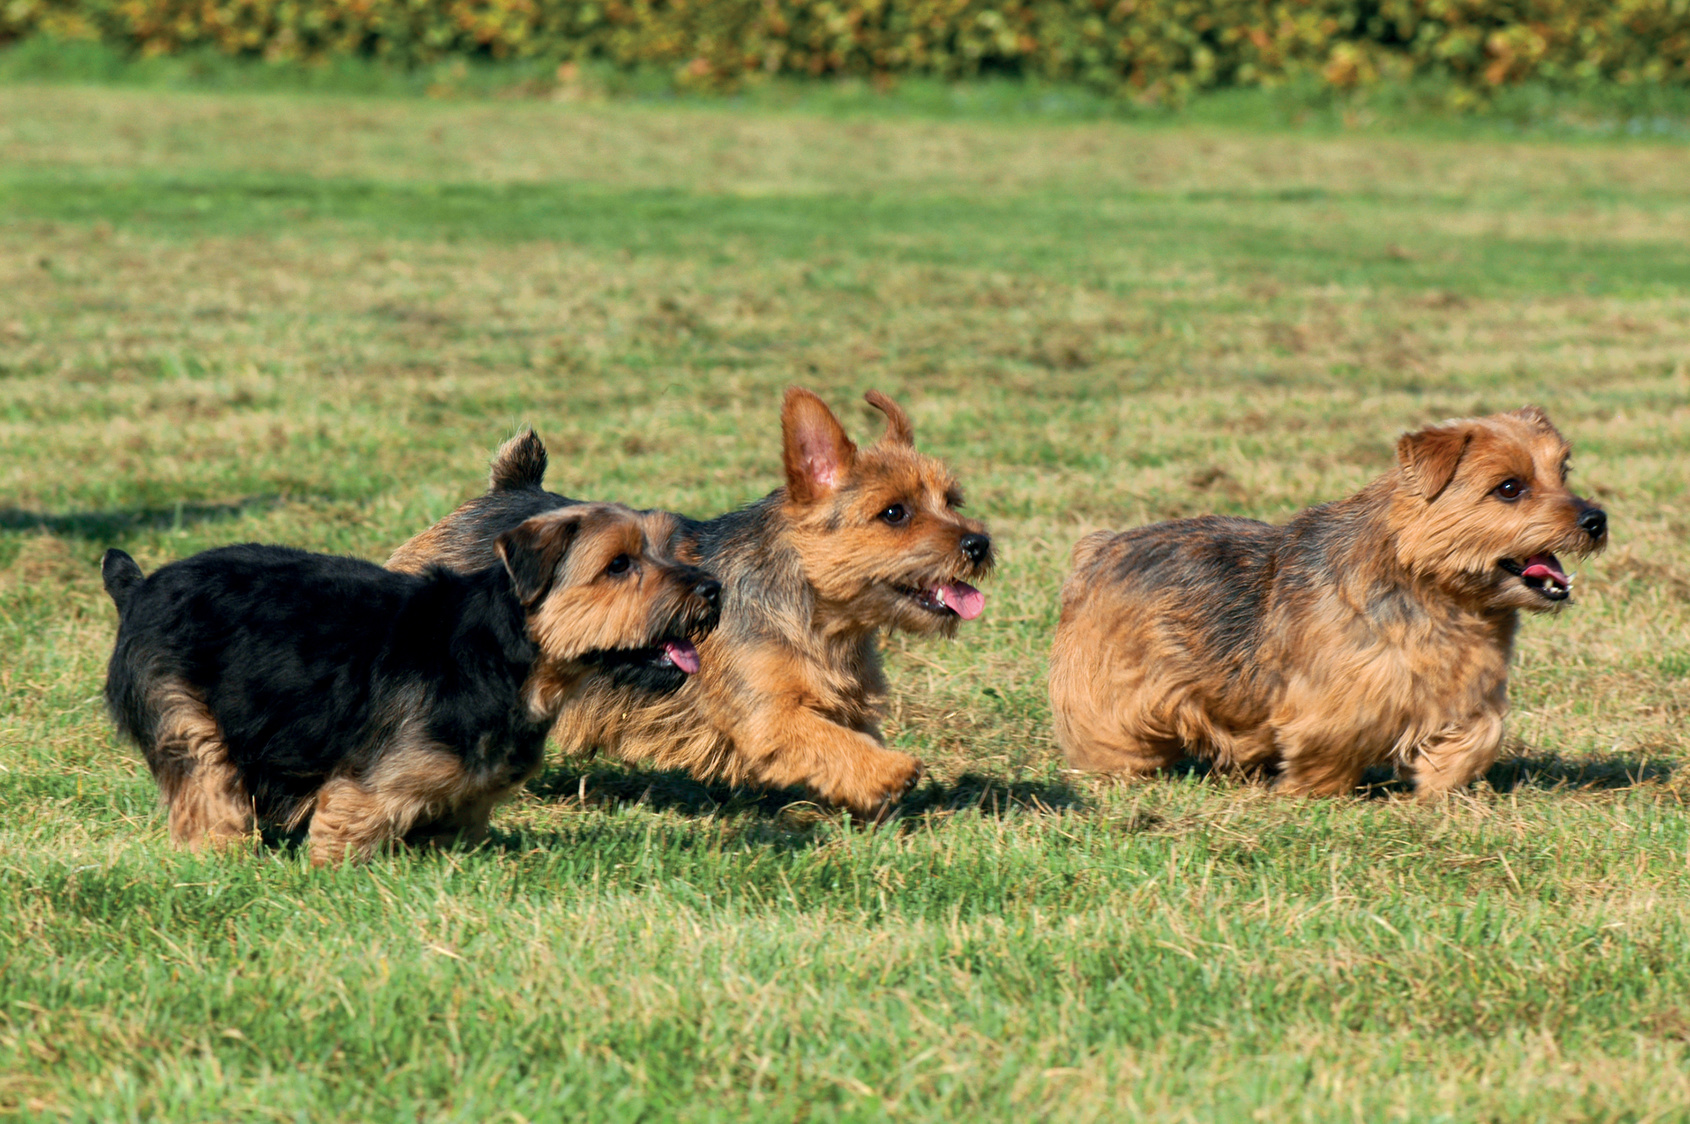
(309, 662)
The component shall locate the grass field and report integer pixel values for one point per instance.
(308, 319)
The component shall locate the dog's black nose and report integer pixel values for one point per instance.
(1594, 522)
(977, 547)
(710, 592)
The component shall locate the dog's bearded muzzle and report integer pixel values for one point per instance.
(1542, 572)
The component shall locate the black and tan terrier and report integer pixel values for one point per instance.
(1375, 630)
(268, 686)
(791, 690)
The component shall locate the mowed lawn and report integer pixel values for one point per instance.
(309, 320)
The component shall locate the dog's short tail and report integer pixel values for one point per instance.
(519, 463)
(121, 575)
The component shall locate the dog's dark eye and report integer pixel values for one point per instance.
(896, 515)
(619, 564)
(1510, 490)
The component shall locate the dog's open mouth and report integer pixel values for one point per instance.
(1542, 574)
(674, 653)
(678, 653)
(957, 598)
(664, 665)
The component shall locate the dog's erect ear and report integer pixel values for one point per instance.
(532, 552)
(1429, 457)
(899, 431)
(816, 451)
(1536, 416)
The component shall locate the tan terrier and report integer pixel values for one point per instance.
(1373, 630)
(859, 540)
(268, 686)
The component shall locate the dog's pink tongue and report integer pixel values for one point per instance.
(1544, 566)
(682, 654)
(962, 598)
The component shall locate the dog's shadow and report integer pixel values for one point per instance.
(1528, 769)
(108, 526)
(784, 818)
(787, 820)
(1525, 767)
(991, 795)
(1534, 769)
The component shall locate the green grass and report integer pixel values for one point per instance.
(308, 318)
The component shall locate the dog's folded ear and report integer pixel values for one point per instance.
(899, 431)
(1429, 458)
(815, 449)
(533, 550)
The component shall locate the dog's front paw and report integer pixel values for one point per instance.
(898, 780)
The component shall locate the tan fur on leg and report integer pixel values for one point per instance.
(1456, 757)
(208, 805)
(412, 784)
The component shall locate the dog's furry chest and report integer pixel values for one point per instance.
(1388, 664)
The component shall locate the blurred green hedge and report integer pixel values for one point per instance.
(1148, 48)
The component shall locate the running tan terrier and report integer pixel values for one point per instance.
(1374, 630)
(859, 541)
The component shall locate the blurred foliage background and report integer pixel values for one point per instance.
(1157, 51)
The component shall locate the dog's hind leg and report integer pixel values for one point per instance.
(1318, 774)
(1113, 709)
(208, 803)
(463, 826)
(348, 821)
(1114, 747)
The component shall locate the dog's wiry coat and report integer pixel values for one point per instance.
(1374, 630)
(270, 686)
(791, 689)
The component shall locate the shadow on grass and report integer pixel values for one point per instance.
(1544, 771)
(992, 796)
(607, 785)
(108, 525)
(786, 820)
(1525, 769)
(1547, 770)
(782, 819)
